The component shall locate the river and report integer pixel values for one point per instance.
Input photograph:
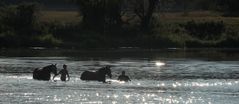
(158, 77)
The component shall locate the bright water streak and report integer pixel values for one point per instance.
(167, 81)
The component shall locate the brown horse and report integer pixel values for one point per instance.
(98, 75)
(44, 73)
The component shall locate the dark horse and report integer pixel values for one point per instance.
(98, 75)
(45, 72)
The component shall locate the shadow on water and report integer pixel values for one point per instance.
(153, 54)
(139, 63)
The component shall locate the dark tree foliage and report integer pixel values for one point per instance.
(1, 3)
(230, 7)
(98, 14)
(19, 23)
(114, 23)
(144, 9)
(205, 30)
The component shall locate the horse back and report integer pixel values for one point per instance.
(93, 76)
(87, 75)
(40, 74)
(35, 73)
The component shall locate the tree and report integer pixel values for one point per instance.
(229, 7)
(232, 7)
(1, 3)
(144, 9)
(97, 14)
(19, 21)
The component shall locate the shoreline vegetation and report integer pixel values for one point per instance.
(24, 25)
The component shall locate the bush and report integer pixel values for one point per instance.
(48, 40)
(231, 38)
(205, 30)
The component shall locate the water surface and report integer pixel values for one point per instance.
(158, 77)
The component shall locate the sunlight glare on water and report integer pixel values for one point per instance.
(159, 63)
(177, 82)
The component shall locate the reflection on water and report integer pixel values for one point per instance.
(159, 63)
(163, 80)
(188, 91)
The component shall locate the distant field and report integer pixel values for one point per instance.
(60, 16)
(178, 17)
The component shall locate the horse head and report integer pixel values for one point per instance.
(108, 71)
(53, 69)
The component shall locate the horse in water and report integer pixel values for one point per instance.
(99, 75)
(45, 72)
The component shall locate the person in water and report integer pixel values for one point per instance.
(63, 73)
(123, 77)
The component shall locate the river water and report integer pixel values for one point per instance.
(157, 78)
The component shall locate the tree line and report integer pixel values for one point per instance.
(117, 23)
